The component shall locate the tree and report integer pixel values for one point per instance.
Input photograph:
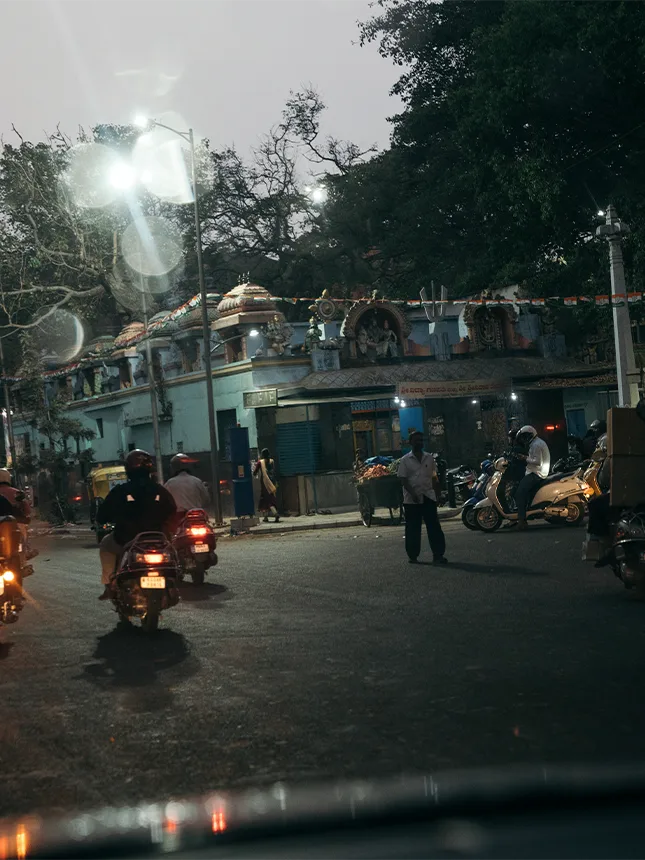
(520, 121)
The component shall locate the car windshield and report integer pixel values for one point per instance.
(322, 450)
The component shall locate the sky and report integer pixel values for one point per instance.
(224, 67)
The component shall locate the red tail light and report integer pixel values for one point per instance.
(78, 498)
(198, 531)
(153, 557)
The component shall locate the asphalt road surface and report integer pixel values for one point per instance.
(321, 654)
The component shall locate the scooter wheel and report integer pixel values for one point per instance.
(469, 518)
(576, 514)
(488, 519)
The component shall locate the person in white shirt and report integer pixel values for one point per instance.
(538, 462)
(185, 488)
(418, 473)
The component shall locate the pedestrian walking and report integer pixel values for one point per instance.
(265, 468)
(418, 473)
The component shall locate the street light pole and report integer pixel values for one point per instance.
(189, 136)
(613, 230)
(7, 405)
(153, 389)
(206, 334)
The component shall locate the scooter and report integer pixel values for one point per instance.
(145, 582)
(479, 493)
(559, 499)
(195, 544)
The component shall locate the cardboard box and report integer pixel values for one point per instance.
(625, 432)
(627, 480)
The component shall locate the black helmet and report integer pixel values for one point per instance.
(138, 462)
(598, 426)
(181, 463)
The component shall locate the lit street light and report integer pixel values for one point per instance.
(143, 123)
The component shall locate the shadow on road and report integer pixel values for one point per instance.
(132, 660)
(5, 649)
(209, 592)
(495, 569)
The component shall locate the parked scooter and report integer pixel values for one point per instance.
(559, 499)
(479, 493)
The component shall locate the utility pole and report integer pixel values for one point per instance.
(613, 230)
(206, 333)
(7, 405)
(152, 386)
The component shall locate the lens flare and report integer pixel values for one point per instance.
(58, 337)
(90, 174)
(159, 159)
(152, 246)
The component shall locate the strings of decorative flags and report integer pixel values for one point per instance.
(549, 301)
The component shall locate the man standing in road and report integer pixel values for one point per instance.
(418, 474)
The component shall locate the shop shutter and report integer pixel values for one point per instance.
(295, 445)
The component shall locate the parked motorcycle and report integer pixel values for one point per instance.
(464, 480)
(559, 499)
(146, 580)
(479, 493)
(628, 548)
(195, 543)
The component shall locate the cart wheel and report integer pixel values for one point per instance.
(365, 510)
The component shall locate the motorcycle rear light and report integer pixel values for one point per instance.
(198, 531)
(78, 498)
(152, 557)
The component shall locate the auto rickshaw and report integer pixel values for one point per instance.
(100, 481)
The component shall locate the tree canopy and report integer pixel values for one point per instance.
(520, 121)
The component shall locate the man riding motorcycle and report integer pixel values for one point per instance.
(185, 488)
(538, 461)
(138, 505)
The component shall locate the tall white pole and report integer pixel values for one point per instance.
(613, 230)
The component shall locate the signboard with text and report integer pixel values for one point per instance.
(451, 388)
(261, 397)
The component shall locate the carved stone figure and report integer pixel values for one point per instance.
(312, 337)
(278, 334)
(387, 345)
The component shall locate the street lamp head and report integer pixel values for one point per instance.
(601, 213)
(141, 121)
(122, 176)
(254, 333)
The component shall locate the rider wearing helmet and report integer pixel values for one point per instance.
(538, 461)
(185, 488)
(139, 505)
(596, 429)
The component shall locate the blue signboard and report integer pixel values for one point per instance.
(410, 418)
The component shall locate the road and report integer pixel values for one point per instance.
(318, 655)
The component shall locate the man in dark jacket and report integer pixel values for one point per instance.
(139, 505)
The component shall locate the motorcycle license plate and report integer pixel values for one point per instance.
(153, 582)
(200, 547)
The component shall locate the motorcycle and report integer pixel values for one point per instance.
(195, 543)
(559, 499)
(479, 493)
(463, 479)
(146, 580)
(628, 549)
(13, 570)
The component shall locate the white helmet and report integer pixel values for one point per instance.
(528, 431)
(5, 476)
